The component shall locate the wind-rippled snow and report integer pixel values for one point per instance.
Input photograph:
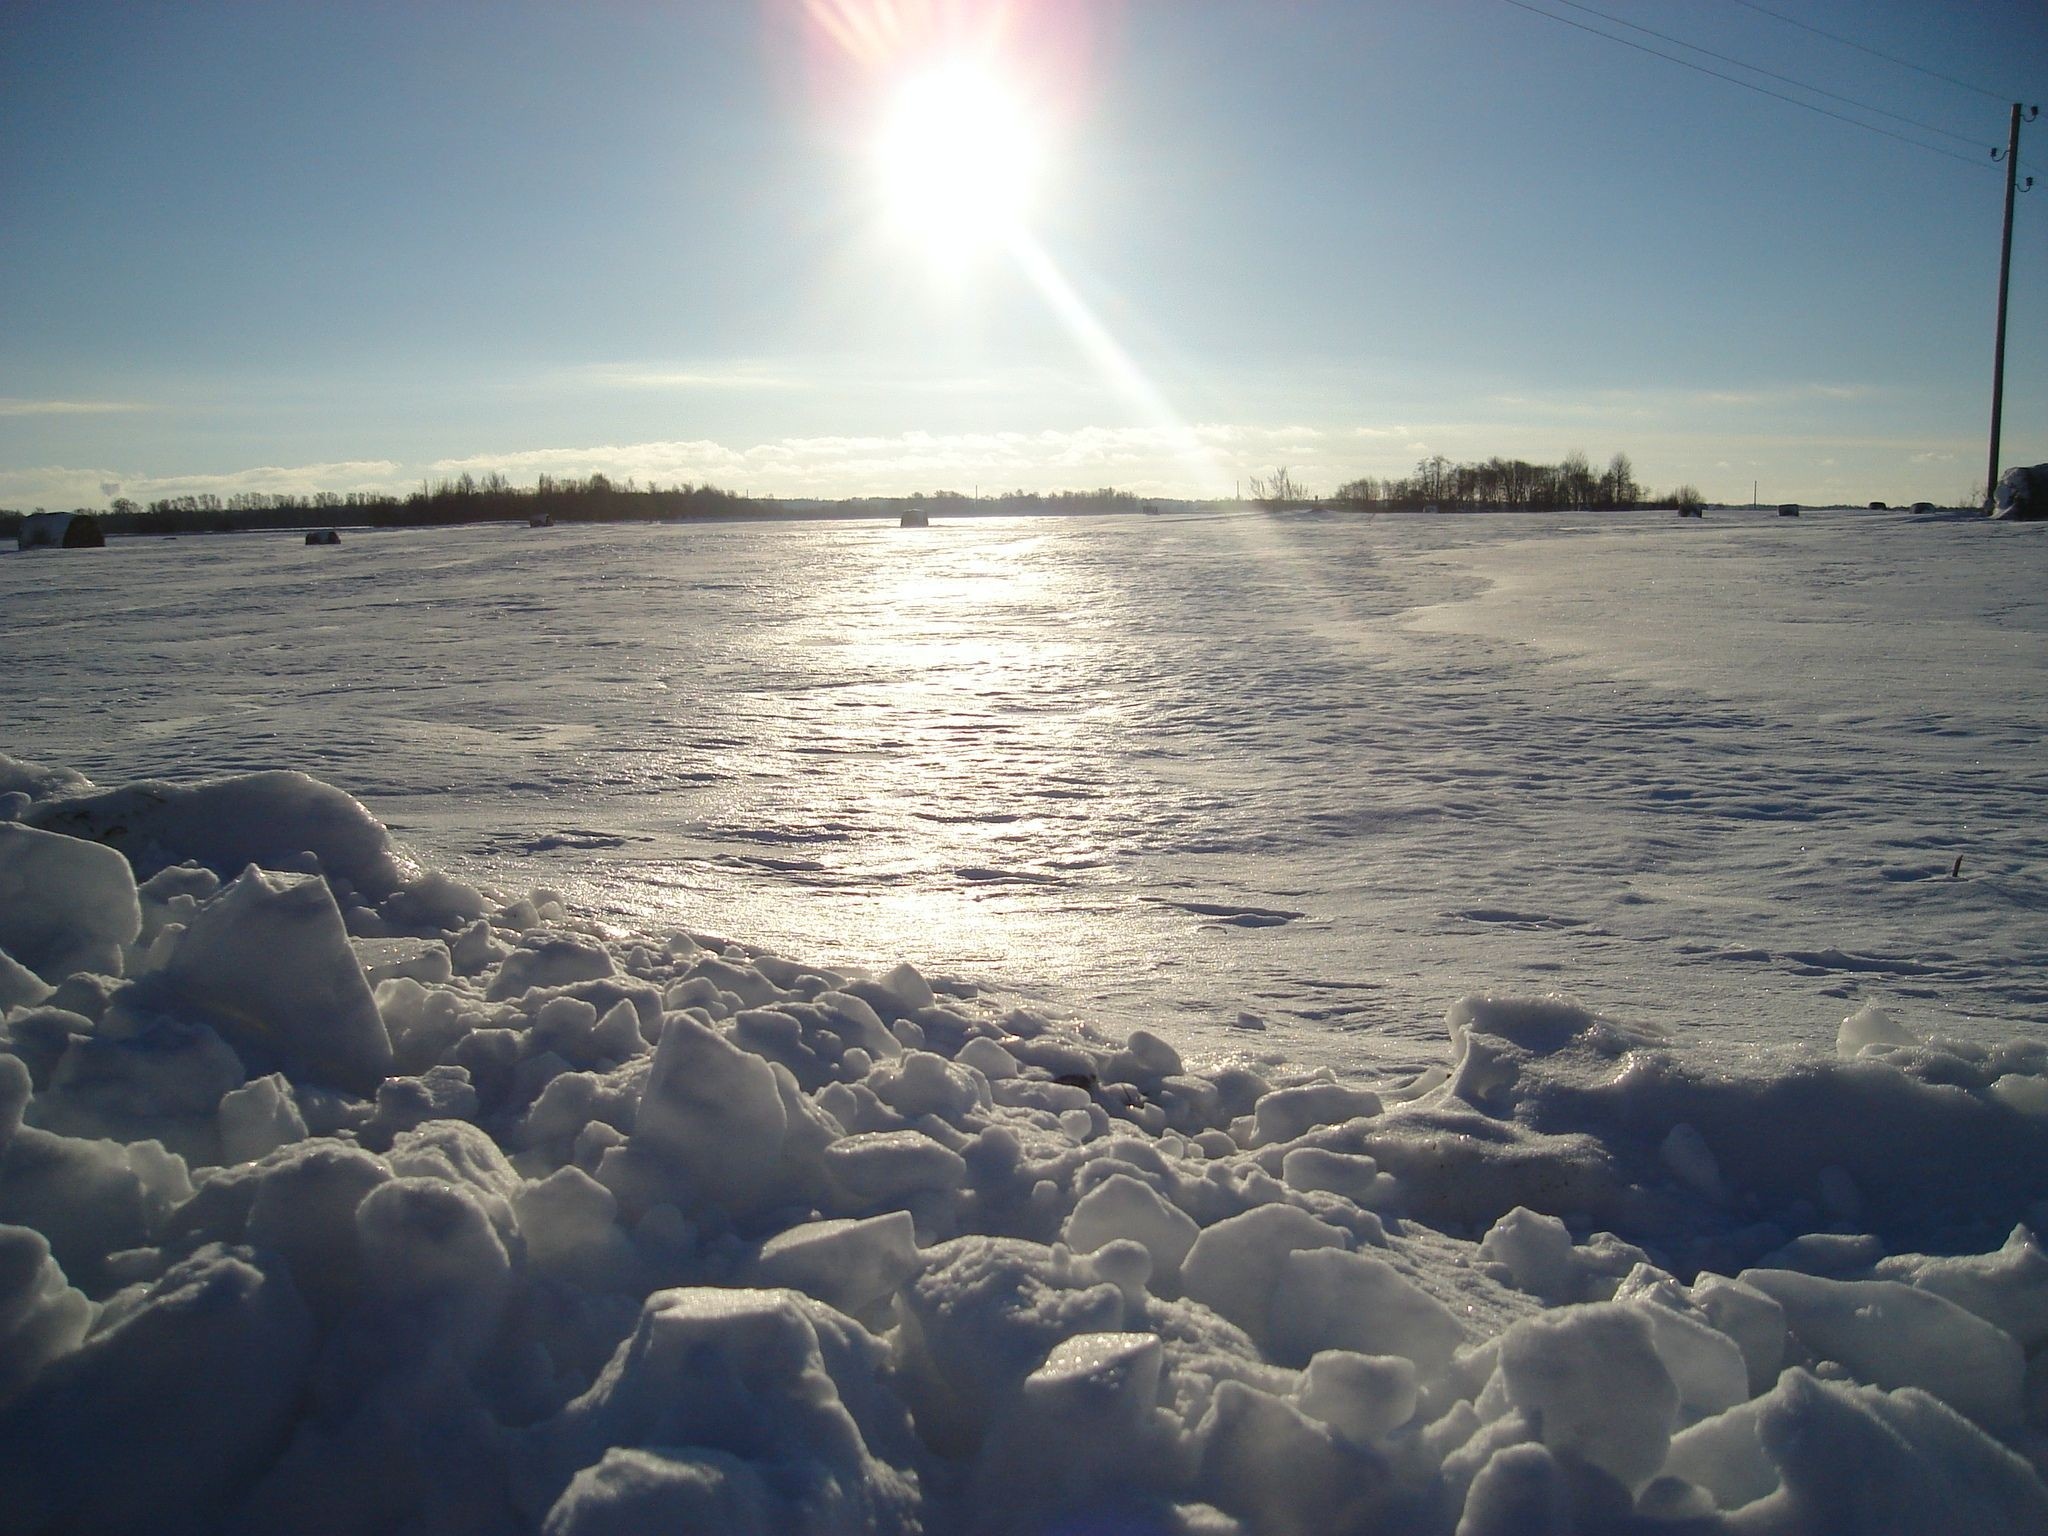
(1325, 773)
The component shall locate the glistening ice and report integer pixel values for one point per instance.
(340, 1194)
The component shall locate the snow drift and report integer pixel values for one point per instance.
(339, 1195)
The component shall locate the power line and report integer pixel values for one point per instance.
(1769, 74)
(1876, 53)
(1749, 85)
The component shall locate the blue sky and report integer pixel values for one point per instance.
(294, 246)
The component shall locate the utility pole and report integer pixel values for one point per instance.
(2012, 171)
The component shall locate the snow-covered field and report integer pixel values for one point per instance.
(1159, 772)
(1155, 1193)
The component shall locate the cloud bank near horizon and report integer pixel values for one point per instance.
(1146, 460)
(1140, 459)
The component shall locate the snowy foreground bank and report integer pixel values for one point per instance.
(339, 1196)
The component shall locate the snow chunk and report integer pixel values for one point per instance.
(1280, 1471)
(422, 960)
(983, 1314)
(406, 1103)
(877, 1168)
(570, 1223)
(1724, 1456)
(258, 1118)
(717, 1124)
(303, 1209)
(1286, 1113)
(21, 987)
(2022, 1093)
(1112, 1377)
(273, 819)
(194, 1388)
(1706, 1366)
(1521, 1491)
(1590, 1380)
(435, 901)
(460, 1153)
(138, 1077)
(16, 1088)
(1861, 1459)
(429, 1247)
(1235, 1266)
(771, 1379)
(39, 781)
(65, 905)
(269, 961)
(1328, 1298)
(549, 960)
(1871, 1025)
(855, 1266)
(925, 1083)
(631, 1492)
(1685, 1152)
(1495, 1039)
(41, 1316)
(2008, 1289)
(1894, 1335)
(2021, 494)
(1355, 1178)
(908, 987)
(988, 1058)
(1152, 1056)
(90, 1198)
(1536, 1251)
(1085, 1422)
(1753, 1320)
(1124, 1207)
(1363, 1397)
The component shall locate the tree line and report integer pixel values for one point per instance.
(464, 499)
(1494, 484)
(566, 499)
(1488, 485)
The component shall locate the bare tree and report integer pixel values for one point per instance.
(1279, 489)
(1618, 488)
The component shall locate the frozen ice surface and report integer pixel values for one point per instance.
(340, 1193)
(1709, 776)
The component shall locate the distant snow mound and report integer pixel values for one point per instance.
(2022, 495)
(279, 820)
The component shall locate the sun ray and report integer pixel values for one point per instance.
(969, 96)
(1109, 359)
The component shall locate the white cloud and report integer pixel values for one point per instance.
(818, 375)
(61, 486)
(15, 406)
(739, 378)
(1202, 459)
(1140, 458)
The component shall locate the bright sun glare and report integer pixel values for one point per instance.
(958, 157)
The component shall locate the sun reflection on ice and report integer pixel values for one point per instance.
(957, 670)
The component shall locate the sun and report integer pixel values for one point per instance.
(958, 158)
